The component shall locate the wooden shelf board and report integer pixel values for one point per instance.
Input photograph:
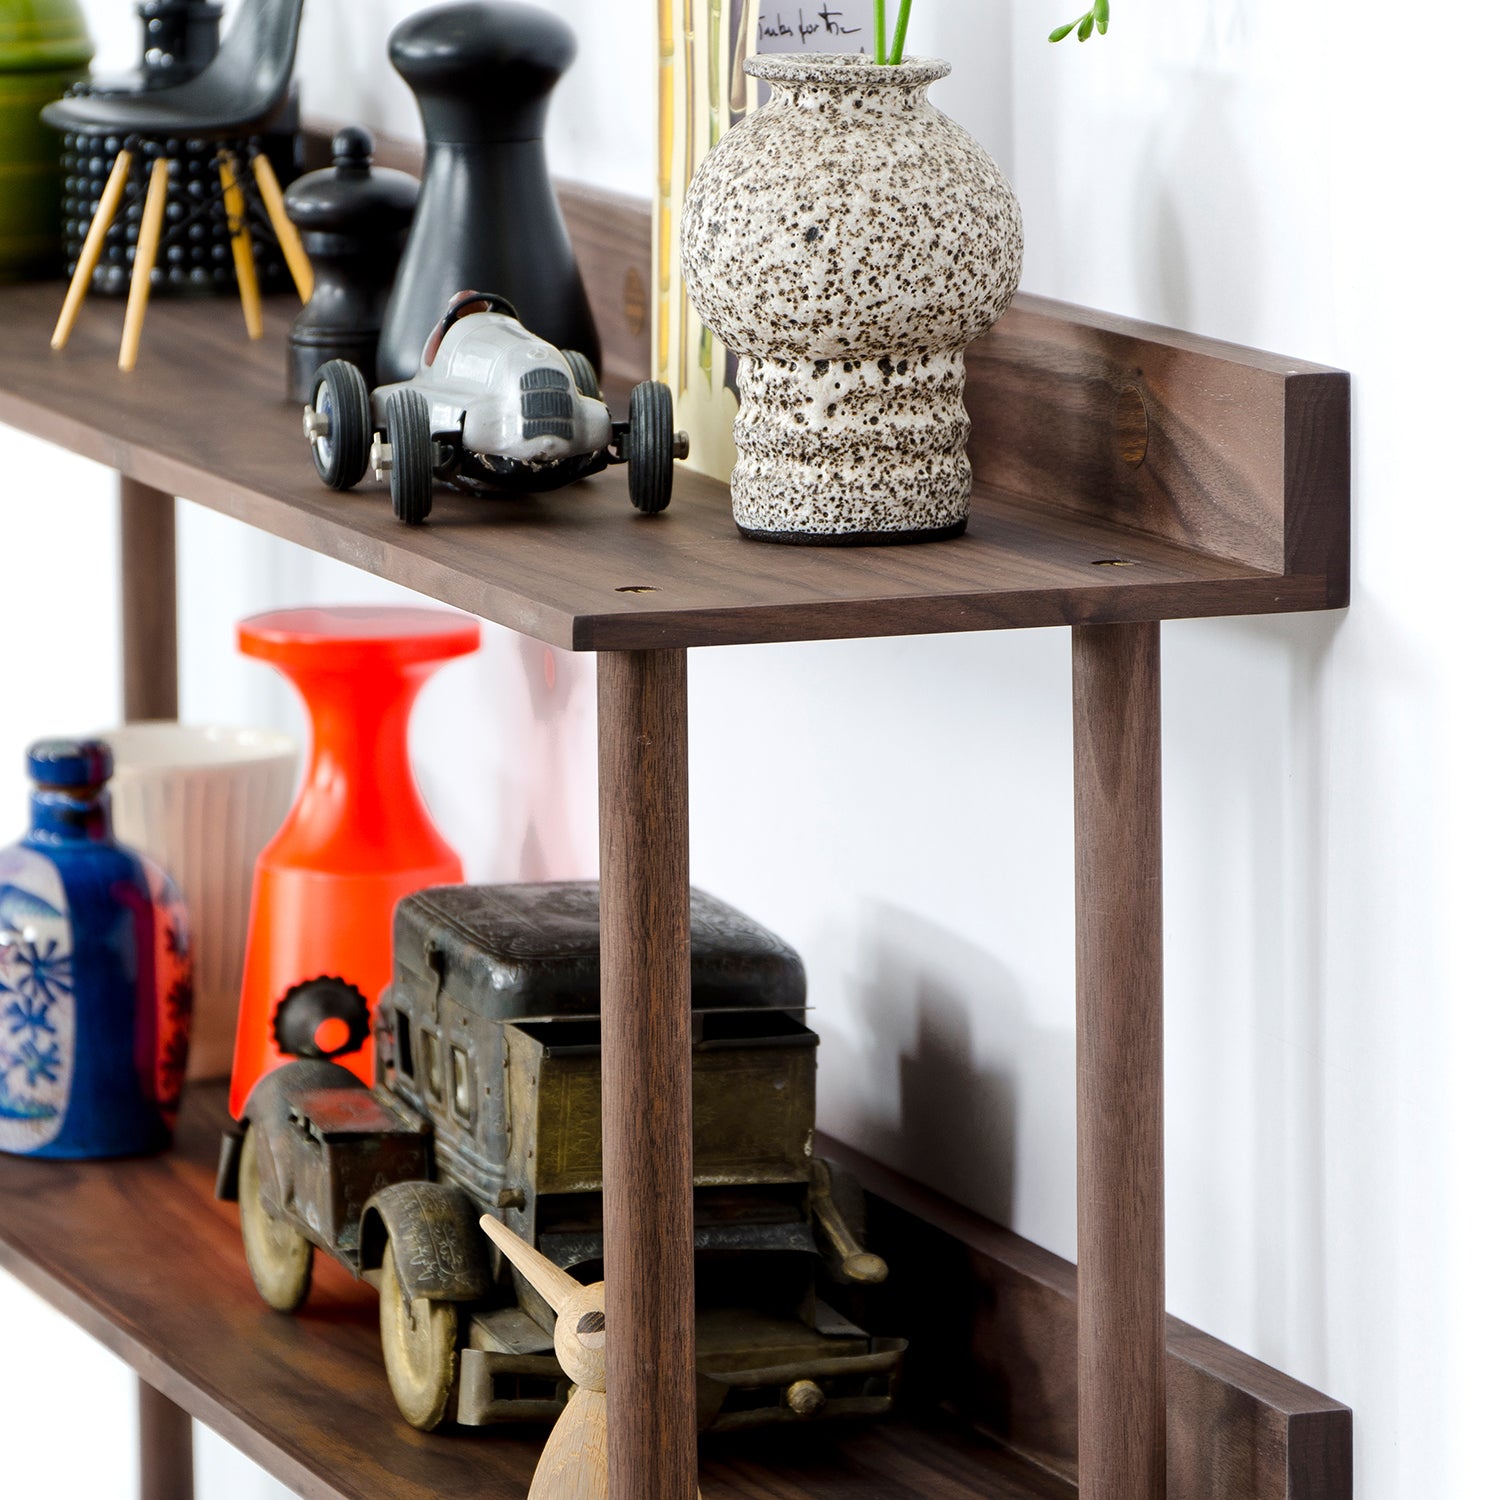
(203, 417)
(139, 1255)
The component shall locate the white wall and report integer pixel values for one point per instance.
(1292, 174)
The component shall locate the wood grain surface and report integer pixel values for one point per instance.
(1065, 530)
(148, 601)
(1122, 1278)
(138, 1254)
(1001, 1350)
(647, 1062)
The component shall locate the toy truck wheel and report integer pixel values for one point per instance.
(419, 1338)
(280, 1259)
(410, 436)
(585, 376)
(337, 424)
(651, 446)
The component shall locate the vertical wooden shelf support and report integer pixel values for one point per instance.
(166, 1447)
(1121, 1159)
(148, 610)
(148, 600)
(647, 1068)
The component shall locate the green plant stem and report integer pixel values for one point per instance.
(898, 43)
(880, 31)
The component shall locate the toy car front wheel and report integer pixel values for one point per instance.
(280, 1260)
(337, 424)
(585, 376)
(410, 435)
(419, 1338)
(651, 447)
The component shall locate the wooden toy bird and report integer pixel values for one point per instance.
(573, 1465)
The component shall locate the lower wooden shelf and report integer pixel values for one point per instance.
(139, 1255)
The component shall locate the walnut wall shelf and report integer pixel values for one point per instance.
(1125, 475)
(1240, 505)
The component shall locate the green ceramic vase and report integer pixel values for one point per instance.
(44, 47)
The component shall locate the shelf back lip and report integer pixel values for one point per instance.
(1229, 453)
(1007, 1356)
(1139, 330)
(1246, 451)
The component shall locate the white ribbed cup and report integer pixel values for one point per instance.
(203, 802)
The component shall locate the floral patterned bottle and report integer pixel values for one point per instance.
(95, 975)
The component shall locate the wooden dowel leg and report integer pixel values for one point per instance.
(1121, 1160)
(145, 260)
(166, 1447)
(240, 247)
(93, 247)
(647, 1067)
(286, 232)
(148, 600)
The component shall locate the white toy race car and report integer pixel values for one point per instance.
(493, 409)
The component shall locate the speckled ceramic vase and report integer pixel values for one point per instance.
(848, 241)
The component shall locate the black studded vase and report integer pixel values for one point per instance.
(353, 218)
(487, 219)
(179, 38)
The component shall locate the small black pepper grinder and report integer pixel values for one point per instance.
(354, 221)
(487, 219)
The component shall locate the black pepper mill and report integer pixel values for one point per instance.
(487, 219)
(354, 220)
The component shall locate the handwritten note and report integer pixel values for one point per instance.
(822, 26)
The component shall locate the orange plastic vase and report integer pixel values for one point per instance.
(358, 837)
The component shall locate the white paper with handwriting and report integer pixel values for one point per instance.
(822, 26)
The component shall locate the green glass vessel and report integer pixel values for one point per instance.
(44, 47)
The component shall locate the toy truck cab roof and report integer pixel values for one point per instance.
(531, 953)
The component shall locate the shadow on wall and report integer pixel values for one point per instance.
(515, 794)
(962, 35)
(1292, 1184)
(1200, 214)
(959, 1121)
(560, 686)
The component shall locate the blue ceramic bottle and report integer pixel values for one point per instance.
(95, 977)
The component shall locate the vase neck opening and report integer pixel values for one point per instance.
(853, 79)
(72, 815)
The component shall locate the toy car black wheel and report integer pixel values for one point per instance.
(585, 376)
(337, 424)
(323, 1018)
(280, 1260)
(651, 447)
(410, 436)
(419, 1339)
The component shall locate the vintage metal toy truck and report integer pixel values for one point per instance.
(489, 1103)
